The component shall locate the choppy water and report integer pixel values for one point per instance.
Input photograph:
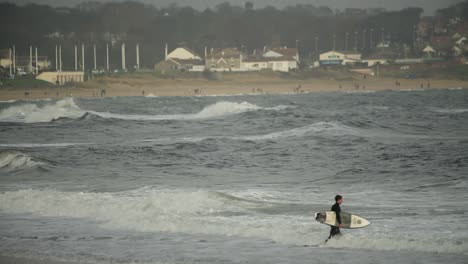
(235, 179)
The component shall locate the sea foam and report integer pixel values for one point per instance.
(216, 110)
(206, 212)
(451, 111)
(11, 161)
(32, 113)
(67, 108)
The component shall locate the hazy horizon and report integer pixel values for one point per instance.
(429, 6)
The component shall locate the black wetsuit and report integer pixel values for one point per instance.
(336, 230)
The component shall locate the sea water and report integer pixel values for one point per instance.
(235, 179)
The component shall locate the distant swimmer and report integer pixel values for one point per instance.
(337, 209)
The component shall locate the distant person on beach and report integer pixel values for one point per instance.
(337, 209)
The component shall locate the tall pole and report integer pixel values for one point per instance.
(364, 39)
(165, 53)
(11, 62)
(297, 50)
(94, 49)
(107, 56)
(60, 57)
(14, 59)
(56, 58)
(383, 36)
(76, 57)
(37, 66)
(138, 56)
(30, 59)
(334, 41)
(355, 40)
(346, 40)
(316, 44)
(123, 56)
(371, 38)
(82, 58)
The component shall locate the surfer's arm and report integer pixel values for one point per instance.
(338, 217)
(337, 211)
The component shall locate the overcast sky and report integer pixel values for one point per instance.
(429, 5)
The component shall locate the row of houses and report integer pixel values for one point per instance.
(446, 36)
(230, 59)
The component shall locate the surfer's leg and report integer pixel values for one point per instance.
(334, 231)
(338, 232)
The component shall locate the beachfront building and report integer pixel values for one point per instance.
(183, 54)
(223, 60)
(339, 58)
(254, 63)
(180, 60)
(61, 78)
(429, 51)
(282, 59)
(277, 59)
(179, 65)
(370, 62)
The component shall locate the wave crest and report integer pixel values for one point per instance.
(211, 111)
(32, 113)
(16, 161)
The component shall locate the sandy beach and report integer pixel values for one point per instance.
(231, 84)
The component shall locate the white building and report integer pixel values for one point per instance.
(277, 59)
(60, 78)
(340, 57)
(254, 64)
(180, 59)
(183, 54)
(282, 59)
(373, 62)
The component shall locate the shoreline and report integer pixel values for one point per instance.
(153, 87)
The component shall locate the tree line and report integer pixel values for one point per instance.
(312, 29)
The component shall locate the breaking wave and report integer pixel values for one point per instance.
(324, 128)
(67, 108)
(32, 113)
(212, 111)
(12, 161)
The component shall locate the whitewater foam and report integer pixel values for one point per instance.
(206, 212)
(32, 113)
(327, 128)
(11, 161)
(216, 110)
(451, 111)
(324, 128)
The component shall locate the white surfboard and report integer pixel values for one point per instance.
(349, 221)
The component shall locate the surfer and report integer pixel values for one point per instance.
(336, 208)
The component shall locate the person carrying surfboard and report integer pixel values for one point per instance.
(337, 209)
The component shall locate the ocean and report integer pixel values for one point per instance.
(236, 179)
